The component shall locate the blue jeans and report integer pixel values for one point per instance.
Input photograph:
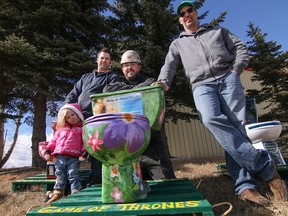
(221, 108)
(67, 169)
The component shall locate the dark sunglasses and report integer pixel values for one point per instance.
(189, 10)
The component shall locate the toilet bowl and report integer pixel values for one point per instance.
(264, 131)
(117, 140)
(118, 133)
(114, 138)
(263, 136)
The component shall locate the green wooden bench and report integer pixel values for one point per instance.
(167, 197)
(41, 180)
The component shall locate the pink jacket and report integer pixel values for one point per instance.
(68, 141)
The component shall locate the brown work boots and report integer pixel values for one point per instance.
(278, 188)
(254, 197)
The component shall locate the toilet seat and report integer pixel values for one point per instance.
(262, 124)
(264, 131)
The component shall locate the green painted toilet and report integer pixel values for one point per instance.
(118, 133)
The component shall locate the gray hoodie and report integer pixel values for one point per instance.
(206, 55)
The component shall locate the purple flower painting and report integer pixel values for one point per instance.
(129, 129)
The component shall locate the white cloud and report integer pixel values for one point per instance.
(22, 153)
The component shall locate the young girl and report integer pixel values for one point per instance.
(67, 146)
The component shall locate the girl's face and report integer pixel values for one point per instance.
(71, 117)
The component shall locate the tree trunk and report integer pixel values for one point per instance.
(39, 129)
(16, 132)
(2, 140)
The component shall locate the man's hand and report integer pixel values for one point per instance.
(164, 85)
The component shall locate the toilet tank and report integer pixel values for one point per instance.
(148, 101)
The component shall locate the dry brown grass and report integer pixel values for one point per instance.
(218, 188)
(215, 188)
(16, 204)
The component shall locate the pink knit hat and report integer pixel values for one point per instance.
(74, 107)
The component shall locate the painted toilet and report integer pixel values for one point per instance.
(118, 133)
(263, 136)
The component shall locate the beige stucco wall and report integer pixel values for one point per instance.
(191, 140)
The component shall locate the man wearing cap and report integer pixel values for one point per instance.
(155, 161)
(213, 59)
(89, 84)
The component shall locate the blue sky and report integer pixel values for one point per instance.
(271, 17)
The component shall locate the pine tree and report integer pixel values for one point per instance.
(270, 65)
(63, 35)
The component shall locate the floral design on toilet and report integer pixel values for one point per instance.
(117, 140)
(118, 134)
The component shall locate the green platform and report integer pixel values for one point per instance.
(40, 179)
(168, 197)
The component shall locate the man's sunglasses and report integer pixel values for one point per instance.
(189, 10)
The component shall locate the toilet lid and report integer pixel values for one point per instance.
(262, 124)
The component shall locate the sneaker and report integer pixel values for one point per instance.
(55, 195)
(47, 196)
(75, 191)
